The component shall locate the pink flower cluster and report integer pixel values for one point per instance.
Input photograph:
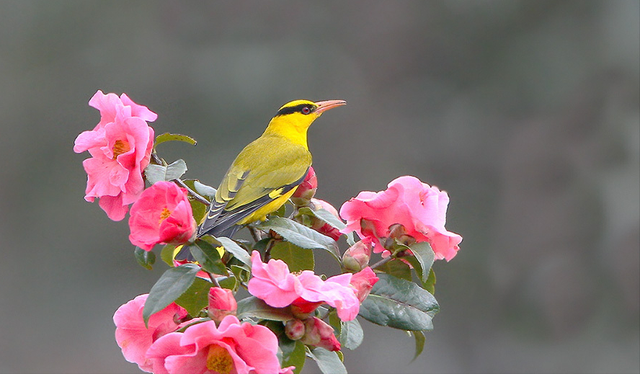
(120, 147)
(273, 283)
(203, 347)
(173, 342)
(420, 208)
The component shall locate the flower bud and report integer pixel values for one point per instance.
(306, 190)
(320, 334)
(301, 308)
(294, 328)
(363, 282)
(320, 225)
(357, 256)
(221, 303)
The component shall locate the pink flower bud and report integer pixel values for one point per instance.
(320, 225)
(221, 303)
(363, 282)
(318, 333)
(294, 328)
(306, 190)
(357, 256)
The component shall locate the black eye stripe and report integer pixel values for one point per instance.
(295, 109)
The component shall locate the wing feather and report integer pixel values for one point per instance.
(255, 179)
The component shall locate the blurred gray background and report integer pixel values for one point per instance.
(526, 112)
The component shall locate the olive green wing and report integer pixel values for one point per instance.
(265, 170)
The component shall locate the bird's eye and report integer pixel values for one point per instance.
(306, 110)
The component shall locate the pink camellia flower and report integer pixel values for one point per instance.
(273, 283)
(307, 189)
(162, 214)
(420, 208)
(363, 282)
(318, 333)
(120, 146)
(222, 303)
(232, 347)
(134, 338)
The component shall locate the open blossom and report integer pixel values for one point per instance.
(134, 338)
(231, 347)
(120, 147)
(420, 208)
(273, 283)
(162, 214)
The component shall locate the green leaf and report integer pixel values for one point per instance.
(425, 256)
(146, 259)
(167, 254)
(281, 211)
(334, 320)
(243, 273)
(175, 170)
(296, 258)
(329, 218)
(199, 209)
(293, 353)
(166, 137)
(400, 304)
(254, 307)
(203, 189)
(159, 173)
(328, 362)
(173, 283)
(236, 250)
(155, 173)
(420, 339)
(230, 283)
(351, 334)
(397, 268)
(208, 257)
(300, 235)
(195, 297)
(430, 284)
(351, 241)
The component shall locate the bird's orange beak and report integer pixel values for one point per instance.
(323, 106)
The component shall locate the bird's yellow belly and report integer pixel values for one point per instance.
(261, 214)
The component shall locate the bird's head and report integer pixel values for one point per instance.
(294, 118)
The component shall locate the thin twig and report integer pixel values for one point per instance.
(195, 195)
(381, 262)
(157, 160)
(267, 250)
(255, 234)
(213, 280)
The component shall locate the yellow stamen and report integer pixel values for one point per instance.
(164, 214)
(120, 147)
(219, 359)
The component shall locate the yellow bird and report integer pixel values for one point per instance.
(267, 171)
